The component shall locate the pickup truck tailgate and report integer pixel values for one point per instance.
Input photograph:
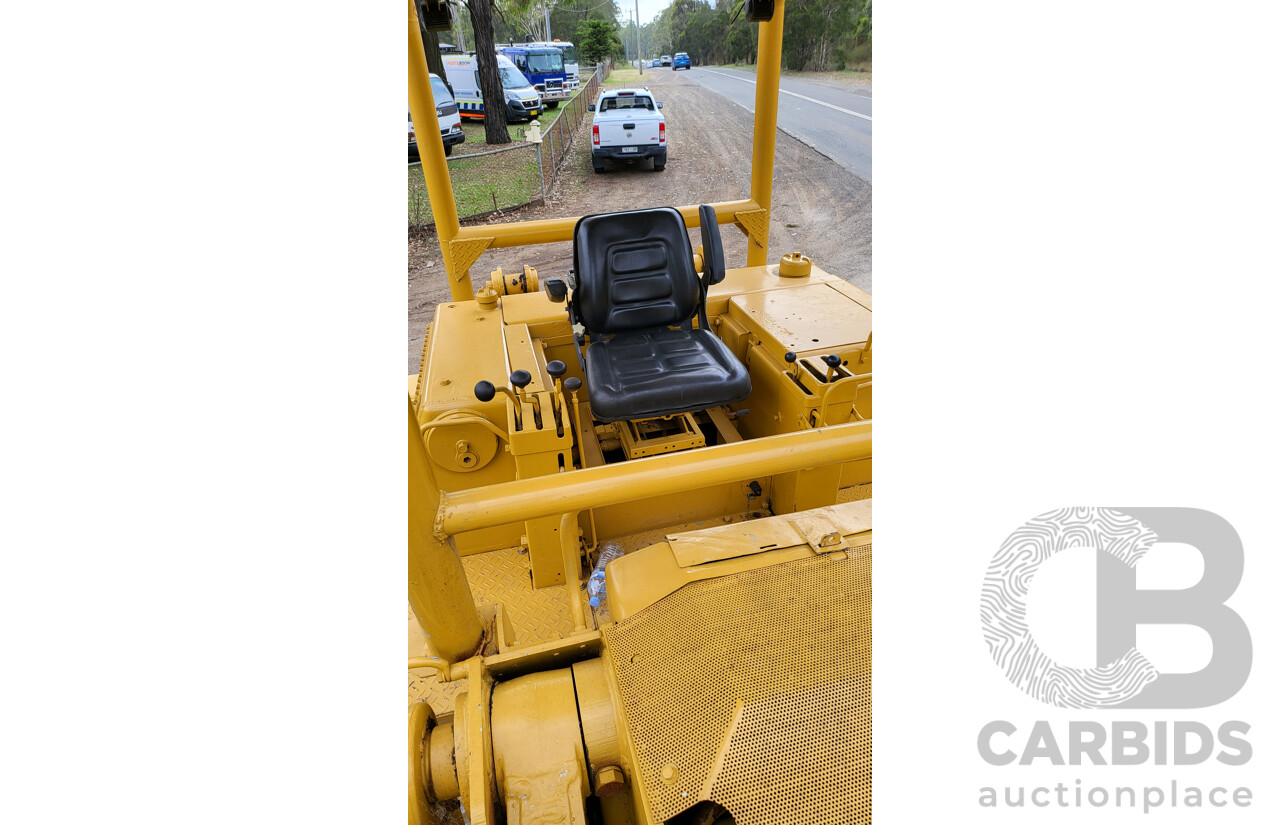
(623, 127)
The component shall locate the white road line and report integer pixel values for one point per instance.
(793, 94)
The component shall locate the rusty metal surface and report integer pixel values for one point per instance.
(754, 691)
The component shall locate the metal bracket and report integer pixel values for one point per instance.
(463, 252)
(755, 223)
(822, 534)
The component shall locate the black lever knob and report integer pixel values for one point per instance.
(790, 357)
(831, 360)
(521, 378)
(573, 384)
(484, 391)
(556, 368)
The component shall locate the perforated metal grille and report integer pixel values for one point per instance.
(754, 691)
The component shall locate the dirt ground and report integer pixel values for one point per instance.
(819, 208)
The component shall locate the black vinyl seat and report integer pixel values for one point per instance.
(636, 297)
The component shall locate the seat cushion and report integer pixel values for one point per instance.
(662, 372)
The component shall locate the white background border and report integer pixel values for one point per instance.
(204, 333)
(1075, 283)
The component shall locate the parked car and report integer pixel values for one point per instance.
(681, 61)
(447, 117)
(653, 64)
(666, 60)
(522, 100)
(627, 126)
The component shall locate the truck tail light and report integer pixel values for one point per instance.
(595, 135)
(662, 133)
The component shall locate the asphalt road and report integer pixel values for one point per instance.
(834, 122)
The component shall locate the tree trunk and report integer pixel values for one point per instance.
(495, 99)
(431, 44)
(431, 47)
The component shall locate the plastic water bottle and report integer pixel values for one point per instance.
(595, 584)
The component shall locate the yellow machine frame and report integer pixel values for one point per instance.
(543, 725)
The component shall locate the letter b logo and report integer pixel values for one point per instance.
(1124, 678)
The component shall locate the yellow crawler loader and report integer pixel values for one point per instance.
(640, 519)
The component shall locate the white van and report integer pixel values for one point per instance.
(522, 100)
(446, 115)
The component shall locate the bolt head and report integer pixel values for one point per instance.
(609, 780)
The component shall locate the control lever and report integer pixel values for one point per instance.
(520, 379)
(832, 361)
(556, 369)
(790, 358)
(485, 391)
(573, 385)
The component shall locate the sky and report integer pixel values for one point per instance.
(649, 9)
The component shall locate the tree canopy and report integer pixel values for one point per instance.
(597, 40)
(817, 34)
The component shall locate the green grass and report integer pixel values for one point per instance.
(480, 185)
(625, 76)
(488, 182)
(474, 130)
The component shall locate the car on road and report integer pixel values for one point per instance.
(653, 64)
(628, 126)
(666, 60)
(681, 61)
(447, 117)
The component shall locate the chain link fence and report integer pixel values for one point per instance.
(558, 134)
(495, 180)
(484, 181)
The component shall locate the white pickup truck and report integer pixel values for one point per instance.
(627, 127)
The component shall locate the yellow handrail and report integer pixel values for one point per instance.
(435, 169)
(531, 498)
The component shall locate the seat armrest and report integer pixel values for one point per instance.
(712, 247)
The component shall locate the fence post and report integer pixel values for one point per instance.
(542, 189)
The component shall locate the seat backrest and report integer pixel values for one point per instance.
(634, 271)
